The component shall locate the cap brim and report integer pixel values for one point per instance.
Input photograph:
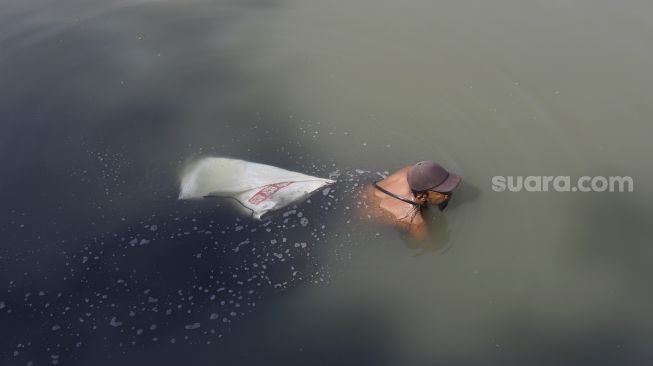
(448, 185)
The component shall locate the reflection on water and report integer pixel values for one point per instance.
(103, 103)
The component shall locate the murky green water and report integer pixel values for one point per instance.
(101, 104)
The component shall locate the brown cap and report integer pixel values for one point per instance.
(431, 176)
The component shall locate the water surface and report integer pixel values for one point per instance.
(103, 103)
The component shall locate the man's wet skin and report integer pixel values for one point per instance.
(394, 202)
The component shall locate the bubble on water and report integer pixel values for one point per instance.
(192, 326)
(152, 300)
(114, 322)
(56, 327)
(237, 248)
(288, 213)
(214, 316)
(2, 304)
(303, 221)
(154, 228)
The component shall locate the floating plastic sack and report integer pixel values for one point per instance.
(259, 188)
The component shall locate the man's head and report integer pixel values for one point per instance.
(431, 183)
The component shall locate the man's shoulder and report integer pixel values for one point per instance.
(397, 175)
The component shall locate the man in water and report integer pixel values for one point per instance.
(400, 198)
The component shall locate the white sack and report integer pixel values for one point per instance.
(259, 188)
